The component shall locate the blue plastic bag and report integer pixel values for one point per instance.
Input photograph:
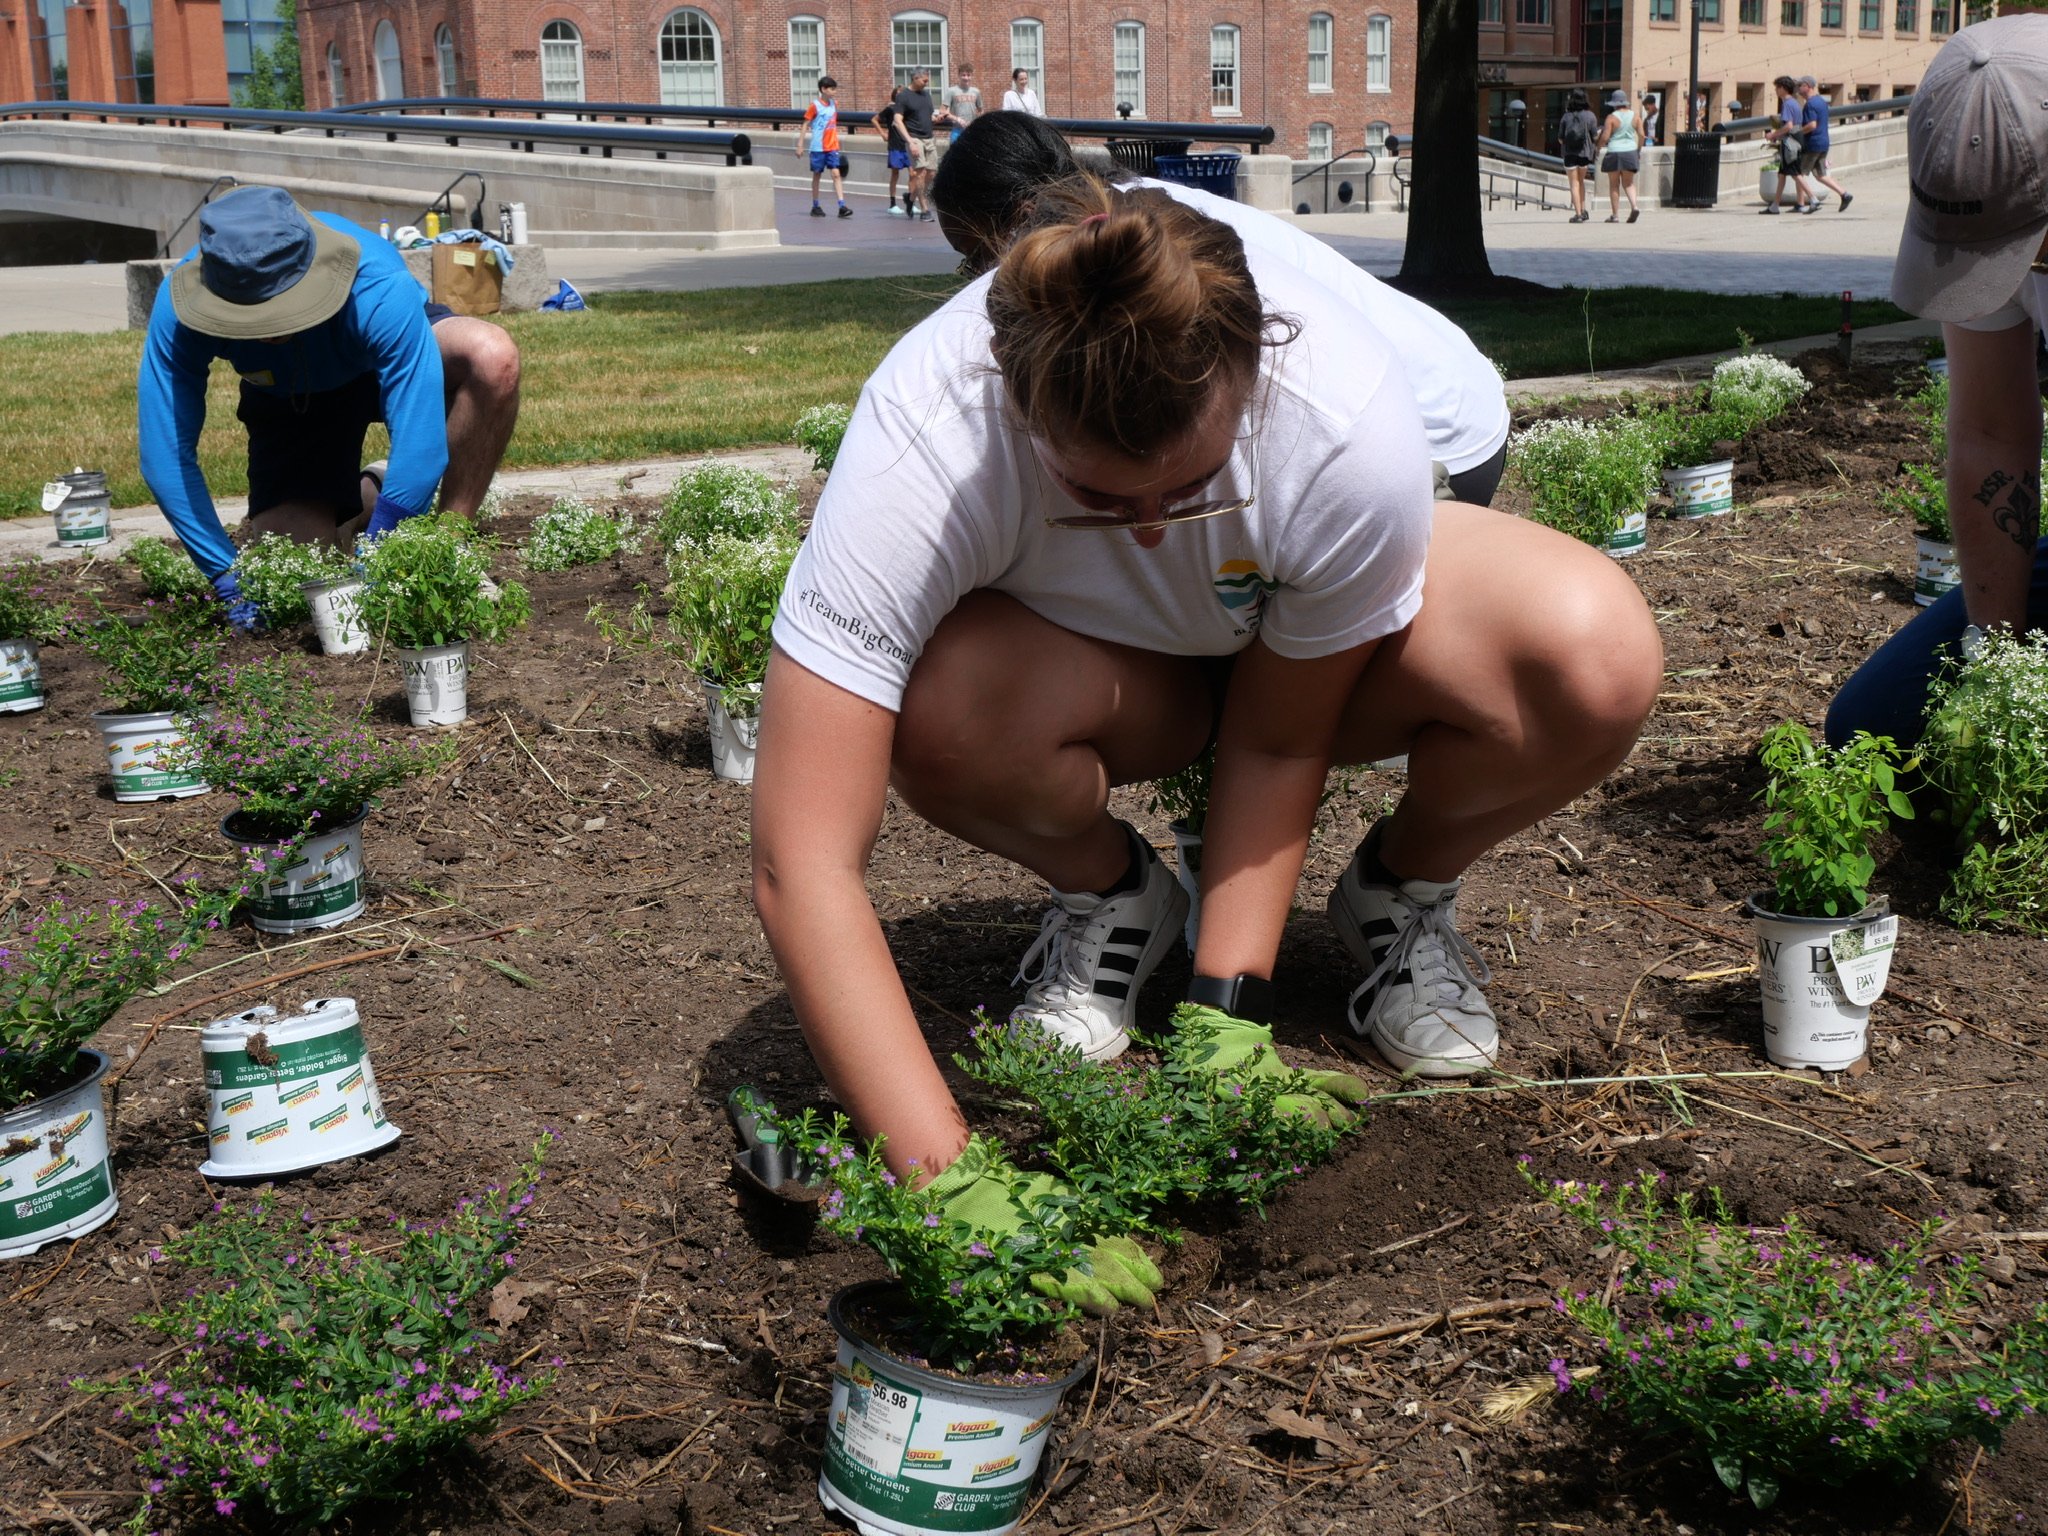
(564, 299)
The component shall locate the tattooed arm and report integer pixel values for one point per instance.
(1994, 468)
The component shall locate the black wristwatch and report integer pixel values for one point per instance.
(1242, 997)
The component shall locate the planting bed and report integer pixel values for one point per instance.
(559, 934)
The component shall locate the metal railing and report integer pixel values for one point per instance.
(1852, 112)
(735, 148)
(204, 198)
(1344, 192)
(1254, 135)
(1520, 189)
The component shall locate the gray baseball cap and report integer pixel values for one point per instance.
(1976, 150)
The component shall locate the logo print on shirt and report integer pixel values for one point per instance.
(1242, 587)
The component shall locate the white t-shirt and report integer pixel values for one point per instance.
(1463, 402)
(1025, 100)
(935, 494)
(2029, 302)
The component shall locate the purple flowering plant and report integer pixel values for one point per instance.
(295, 762)
(1779, 1357)
(970, 1289)
(1141, 1137)
(67, 969)
(312, 1369)
(166, 659)
(26, 611)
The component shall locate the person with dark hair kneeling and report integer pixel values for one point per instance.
(1136, 490)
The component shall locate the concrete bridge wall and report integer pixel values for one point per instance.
(151, 178)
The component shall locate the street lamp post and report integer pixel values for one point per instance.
(1693, 114)
(1518, 115)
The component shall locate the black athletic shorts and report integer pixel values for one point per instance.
(309, 448)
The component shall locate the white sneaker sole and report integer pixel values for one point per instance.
(1402, 1060)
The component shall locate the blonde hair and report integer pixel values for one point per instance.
(1120, 315)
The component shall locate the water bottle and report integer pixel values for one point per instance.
(383, 229)
(505, 223)
(433, 224)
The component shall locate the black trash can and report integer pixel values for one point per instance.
(1140, 156)
(1696, 171)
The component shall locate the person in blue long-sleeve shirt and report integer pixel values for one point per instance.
(329, 332)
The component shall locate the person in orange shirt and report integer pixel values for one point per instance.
(821, 142)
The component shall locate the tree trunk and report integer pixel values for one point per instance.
(1446, 241)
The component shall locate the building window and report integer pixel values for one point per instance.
(1376, 135)
(247, 25)
(1532, 13)
(1831, 15)
(1321, 141)
(917, 45)
(1319, 52)
(1489, 12)
(1906, 20)
(444, 57)
(1379, 50)
(1753, 12)
(134, 46)
(1870, 16)
(47, 53)
(390, 63)
(1792, 16)
(1223, 43)
(1600, 40)
(1027, 49)
(690, 76)
(337, 90)
(806, 58)
(1129, 64)
(1940, 17)
(1663, 10)
(561, 62)
(1710, 12)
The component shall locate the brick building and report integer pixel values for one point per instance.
(193, 52)
(1329, 75)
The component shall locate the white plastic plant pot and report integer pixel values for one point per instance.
(1938, 366)
(910, 1451)
(1937, 573)
(1819, 976)
(436, 683)
(734, 717)
(21, 677)
(81, 505)
(284, 1094)
(336, 618)
(318, 886)
(55, 1180)
(135, 749)
(1187, 869)
(1703, 490)
(1631, 536)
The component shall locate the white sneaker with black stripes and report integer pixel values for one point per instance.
(1420, 1002)
(1092, 955)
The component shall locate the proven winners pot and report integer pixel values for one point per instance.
(1819, 976)
(734, 719)
(910, 1450)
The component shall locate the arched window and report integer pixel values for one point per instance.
(390, 64)
(1223, 70)
(444, 56)
(1376, 133)
(337, 90)
(806, 58)
(561, 62)
(1320, 27)
(1129, 64)
(690, 76)
(1321, 142)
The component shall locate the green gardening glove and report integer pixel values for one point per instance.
(1239, 1051)
(982, 1189)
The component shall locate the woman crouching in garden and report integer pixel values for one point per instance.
(1131, 492)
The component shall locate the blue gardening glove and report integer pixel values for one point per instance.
(1237, 1050)
(243, 615)
(980, 1188)
(385, 516)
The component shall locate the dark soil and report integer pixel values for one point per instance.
(580, 952)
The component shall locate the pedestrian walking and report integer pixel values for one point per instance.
(1020, 97)
(1619, 145)
(1791, 115)
(896, 144)
(820, 140)
(961, 103)
(1974, 255)
(1576, 132)
(1813, 148)
(914, 101)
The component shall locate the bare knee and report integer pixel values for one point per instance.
(479, 357)
(1603, 663)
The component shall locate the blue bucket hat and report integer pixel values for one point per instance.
(264, 269)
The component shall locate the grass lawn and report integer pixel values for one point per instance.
(647, 374)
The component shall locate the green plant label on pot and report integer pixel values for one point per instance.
(1863, 958)
(284, 1063)
(61, 1193)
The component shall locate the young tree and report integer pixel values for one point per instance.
(275, 81)
(1446, 241)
